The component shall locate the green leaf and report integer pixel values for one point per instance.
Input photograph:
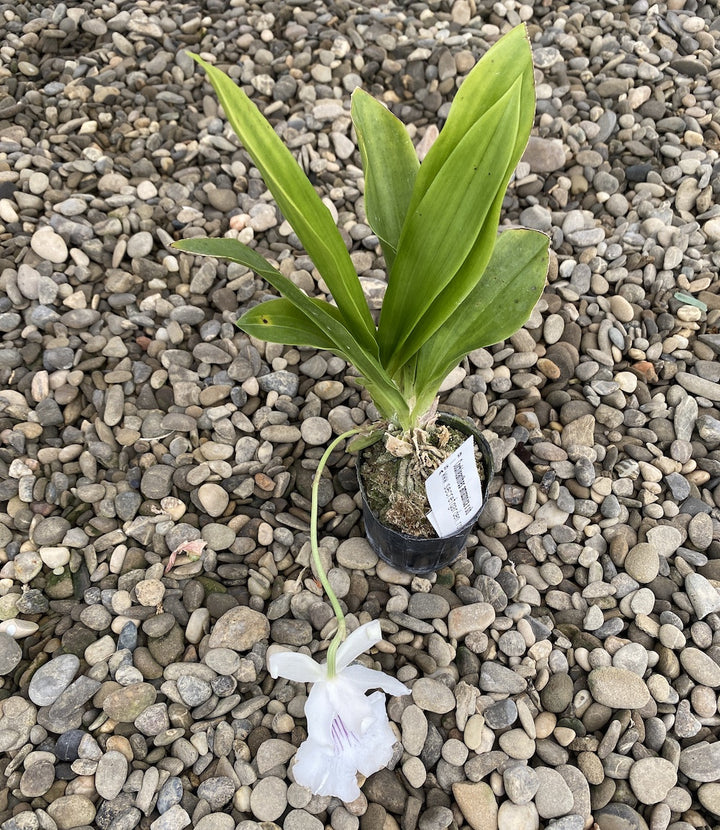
(390, 164)
(279, 321)
(317, 311)
(490, 79)
(298, 201)
(452, 218)
(496, 308)
(320, 314)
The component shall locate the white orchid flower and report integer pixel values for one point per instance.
(348, 731)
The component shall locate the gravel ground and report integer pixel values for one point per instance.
(567, 669)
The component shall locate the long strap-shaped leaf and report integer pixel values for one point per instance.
(446, 306)
(506, 66)
(279, 321)
(441, 232)
(496, 308)
(316, 311)
(506, 61)
(390, 165)
(319, 313)
(298, 201)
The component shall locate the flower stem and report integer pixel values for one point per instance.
(340, 633)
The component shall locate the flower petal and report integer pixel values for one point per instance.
(331, 769)
(359, 641)
(324, 773)
(294, 666)
(319, 712)
(376, 746)
(365, 679)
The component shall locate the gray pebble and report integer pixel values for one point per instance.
(704, 597)
(110, 774)
(428, 606)
(37, 779)
(436, 818)
(282, 382)
(521, 783)
(173, 819)
(494, 677)
(700, 761)
(501, 715)
(51, 531)
(49, 245)
(414, 729)
(701, 667)
(553, 797)
(618, 688)
(432, 696)
(268, 799)
(356, 554)
(170, 794)
(301, 820)
(157, 481)
(316, 431)
(273, 753)
(50, 680)
(193, 690)
(140, 244)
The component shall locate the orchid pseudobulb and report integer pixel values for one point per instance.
(348, 731)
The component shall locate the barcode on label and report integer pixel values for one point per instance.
(462, 488)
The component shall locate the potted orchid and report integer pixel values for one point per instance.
(454, 285)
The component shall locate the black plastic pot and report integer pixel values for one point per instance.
(421, 556)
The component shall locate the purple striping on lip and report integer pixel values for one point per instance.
(343, 738)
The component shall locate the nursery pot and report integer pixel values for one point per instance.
(414, 554)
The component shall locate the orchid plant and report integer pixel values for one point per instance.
(453, 285)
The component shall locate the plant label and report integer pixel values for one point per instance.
(454, 491)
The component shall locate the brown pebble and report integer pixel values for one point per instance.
(548, 368)
(264, 482)
(645, 370)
